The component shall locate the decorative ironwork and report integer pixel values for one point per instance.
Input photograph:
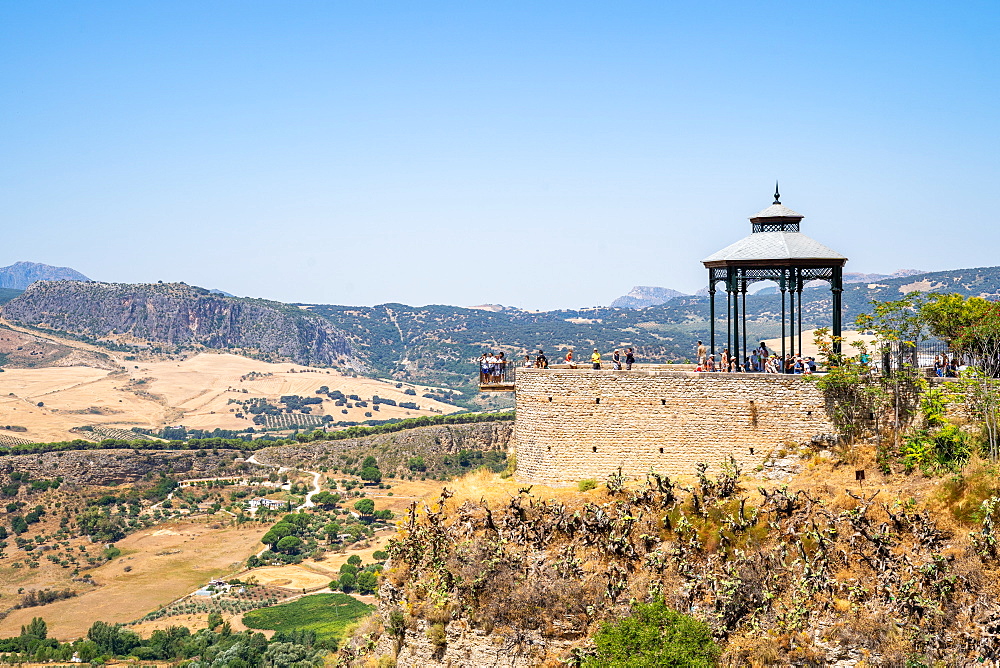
(790, 273)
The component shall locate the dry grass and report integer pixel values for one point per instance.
(194, 392)
(167, 562)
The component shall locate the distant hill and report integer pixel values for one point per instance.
(22, 274)
(431, 345)
(182, 315)
(642, 296)
(434, 344)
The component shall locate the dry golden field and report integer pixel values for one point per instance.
(194, 392)
(165, 562)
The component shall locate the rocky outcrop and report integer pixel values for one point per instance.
(180, 314)
(393, 450)
(642, 296)
(458, 644)
(105, 467)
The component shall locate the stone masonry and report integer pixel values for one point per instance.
(574, 424)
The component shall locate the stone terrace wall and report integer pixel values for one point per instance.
(578, 424)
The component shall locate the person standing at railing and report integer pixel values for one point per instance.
(616, 359)
(501, 367)
(595, 359)
(484, 368)
(629, 359)
(541, 362)
(702, 353)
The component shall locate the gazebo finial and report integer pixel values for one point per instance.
(777, 195)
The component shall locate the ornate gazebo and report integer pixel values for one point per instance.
(775, 251)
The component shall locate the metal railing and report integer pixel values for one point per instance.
(496, 373)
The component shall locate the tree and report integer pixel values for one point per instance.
(113, 638)
(367, 582)
(371, 474)
(354, 560)
(365, 507)
(654, 635)
(289, 545)
(369, 461)
(37, 629)
(347, 582)
(332, 531)
(971, 327)
(417, 464)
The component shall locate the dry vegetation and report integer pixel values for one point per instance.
(819, 570)
(112, 392)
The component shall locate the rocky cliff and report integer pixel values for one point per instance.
(394, 450)
(105, 467)
(180, 314)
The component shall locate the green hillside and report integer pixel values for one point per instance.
(434, 344)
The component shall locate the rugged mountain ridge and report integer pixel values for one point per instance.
(435, 344)
(20, 275)
(184, 315)
(646, 295)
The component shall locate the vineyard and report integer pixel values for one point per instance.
(7, 439)
(238, 598)
(292, 421)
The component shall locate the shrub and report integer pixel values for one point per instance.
(586, 485)
(654, 635)
(436, 634)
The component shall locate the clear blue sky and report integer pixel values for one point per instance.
(541, 155)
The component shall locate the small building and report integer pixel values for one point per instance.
(270, 504)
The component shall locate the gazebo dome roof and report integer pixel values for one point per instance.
(776, 210)
(775, 246)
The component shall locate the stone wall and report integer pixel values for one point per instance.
(578, 424)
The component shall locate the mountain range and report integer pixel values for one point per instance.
(432, 345)
(642, 296)
(20, 275)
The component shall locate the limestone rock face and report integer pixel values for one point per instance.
(394, 449)
(105, 467)
(175, 313)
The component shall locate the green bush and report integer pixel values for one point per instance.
(654, 635)
(586, 485)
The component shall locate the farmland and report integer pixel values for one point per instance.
(115, 396)
(326, 614)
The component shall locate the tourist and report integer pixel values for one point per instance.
(724, 362)
(541, 362)
(569, 359)
(616, 359)
(811, 363)
(710, 365)
(629, 359)
(754, 360)
(527, 362)
(501, 367)
(595, 359)
(938, 366)
(764, 354)
(484, 368)
(702, 351)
